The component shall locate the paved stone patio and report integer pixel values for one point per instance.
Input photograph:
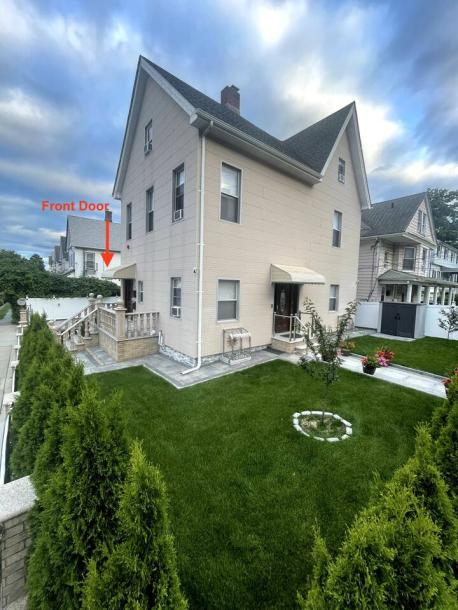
(95, 360)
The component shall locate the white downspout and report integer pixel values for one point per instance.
(201, 254)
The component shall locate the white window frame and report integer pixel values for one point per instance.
(240, 171)
(175, 310)
(339, 216)
(129, 221)
(148, 137)
(334, 298)
(92, 266)
(237, 300)
(341, 174)
(177, 214)
(414, 259)
(140, 291)
(149, 212)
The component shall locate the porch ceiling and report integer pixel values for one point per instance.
(285, 274)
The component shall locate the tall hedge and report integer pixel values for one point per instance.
(140, 572)
(78, 514)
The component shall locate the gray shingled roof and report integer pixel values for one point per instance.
(393, 275)
(388, 217)
(311, 146)
(90, 233)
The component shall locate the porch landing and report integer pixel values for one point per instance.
(95, 360)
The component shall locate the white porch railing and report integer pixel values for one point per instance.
(142, 324)
(291, 327)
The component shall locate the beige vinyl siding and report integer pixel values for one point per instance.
(413, 225)
(282, 221)
(170, 249)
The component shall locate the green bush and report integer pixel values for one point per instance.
(447, 449)
(78, 509)
(54, 388)
(401, 552)
(140, 572)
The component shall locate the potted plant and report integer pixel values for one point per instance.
(346, 347)
(385, 353)
(370, 363)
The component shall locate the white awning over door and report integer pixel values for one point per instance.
(285, 274)
(123, 272)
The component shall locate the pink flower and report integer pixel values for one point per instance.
(383, 361)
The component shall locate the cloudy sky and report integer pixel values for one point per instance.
(67, 69)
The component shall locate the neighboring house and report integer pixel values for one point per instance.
(225, 225)
(445, 262)
(78, 254)
(398, 260)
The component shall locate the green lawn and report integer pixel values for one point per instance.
(428, 354)
(245, 488)
(4, 309)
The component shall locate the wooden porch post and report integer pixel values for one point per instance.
(409, 293)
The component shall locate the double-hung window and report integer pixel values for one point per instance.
(175, 297)
(337, 229)
(341, 171)
(148, 137)
(408, 264)
(228, 299)
(333, 297)
(129, 221)
(140, 291)
(149, 210)
(178, 193)
(230, 193)
(89, 263)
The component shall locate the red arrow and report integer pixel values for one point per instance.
(107, 255)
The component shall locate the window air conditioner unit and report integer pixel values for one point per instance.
(178, 215)
(176, 312)
(148, 146)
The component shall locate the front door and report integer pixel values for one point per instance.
(285, 305)
(129, 295)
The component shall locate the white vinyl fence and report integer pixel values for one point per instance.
(368, 316)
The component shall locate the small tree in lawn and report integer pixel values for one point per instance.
(140, 572)
(324, 344)
(449, 320)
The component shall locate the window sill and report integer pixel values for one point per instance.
(174, 222)
(227, 321)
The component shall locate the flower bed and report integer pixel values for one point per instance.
(322, 426)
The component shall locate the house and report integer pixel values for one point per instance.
(78, 252)
(402, 263)
(445, 262)
(225, 226)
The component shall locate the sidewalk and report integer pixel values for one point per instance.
(7, 341)
(408, 378)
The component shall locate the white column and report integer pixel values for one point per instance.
(435, 295)
(409, 293)
(427, 294)
(418, 296)
(450, 292)
(443, 295)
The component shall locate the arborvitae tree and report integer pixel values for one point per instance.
(36, 342)
(53, 389)
(78, 516)
(140, 572)
(424, 478)
(321, 560)
(23, 405)
(49, 456)
(447, 450)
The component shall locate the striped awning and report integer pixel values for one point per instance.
(285, 274)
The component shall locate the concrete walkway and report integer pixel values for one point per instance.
(399, 375)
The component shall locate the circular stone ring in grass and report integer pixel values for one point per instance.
(322, 426)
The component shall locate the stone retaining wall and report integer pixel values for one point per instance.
(16, 500)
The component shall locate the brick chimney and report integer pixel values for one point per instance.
(230, 97)
(108, 215)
